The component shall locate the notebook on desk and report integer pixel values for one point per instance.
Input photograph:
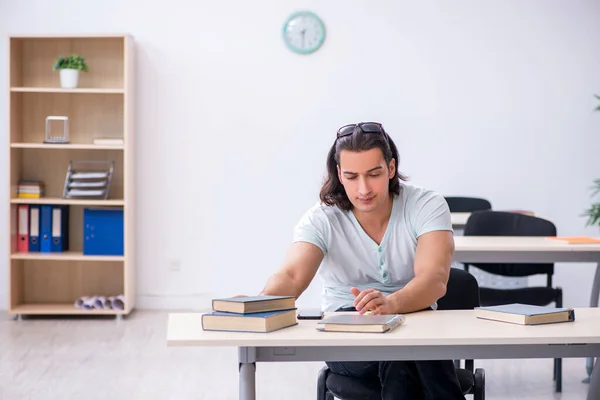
(361, 323)
(575, 239)
(525, 314)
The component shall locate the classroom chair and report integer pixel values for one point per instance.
(467, 204)
(462, 293)
(502, 223)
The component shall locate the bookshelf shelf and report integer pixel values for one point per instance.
(60, 308)
(62, 90)
(100, 107)
(61, 201)
(64, 256)
(74, 146)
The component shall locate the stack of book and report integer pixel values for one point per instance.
(30, 189)
(251, 314)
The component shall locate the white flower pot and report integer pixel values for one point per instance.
(69, 78)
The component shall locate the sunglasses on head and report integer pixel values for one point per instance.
(366, 127)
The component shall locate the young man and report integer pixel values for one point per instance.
(379, 246)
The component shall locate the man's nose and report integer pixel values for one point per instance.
(363, 186)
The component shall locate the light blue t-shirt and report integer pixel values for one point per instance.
(352, 258)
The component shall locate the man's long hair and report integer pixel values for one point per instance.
(332, 192)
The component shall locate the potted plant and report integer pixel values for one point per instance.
(70, 67)
(593, 213)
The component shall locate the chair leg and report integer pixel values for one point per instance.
(479, 387)
(558, 361)
(558, 374)
(469, 365)
(322, 391)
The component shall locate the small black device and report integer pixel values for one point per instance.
(310, 313)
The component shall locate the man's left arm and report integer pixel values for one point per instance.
(433, 257)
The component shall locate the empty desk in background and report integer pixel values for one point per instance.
(459, 219)
(427, 335)
(529, 249)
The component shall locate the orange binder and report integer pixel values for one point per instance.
(576, 239)
(23, 228)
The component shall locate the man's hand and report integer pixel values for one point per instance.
(372, 300)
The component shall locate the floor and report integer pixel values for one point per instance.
(57, 358)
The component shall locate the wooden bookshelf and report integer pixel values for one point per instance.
(102, 106)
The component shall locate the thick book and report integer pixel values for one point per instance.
(525, 314)
(255, 322)
(254, 304)
(361, 323)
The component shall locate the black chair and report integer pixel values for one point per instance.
(462, 294)
(500, 223)
(467, 204)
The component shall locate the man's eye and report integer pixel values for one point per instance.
(351, 178)
(374, 175)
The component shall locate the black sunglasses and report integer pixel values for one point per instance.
(366, 127)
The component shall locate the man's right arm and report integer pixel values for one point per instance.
(299, 267)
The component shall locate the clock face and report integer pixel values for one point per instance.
(304, 32)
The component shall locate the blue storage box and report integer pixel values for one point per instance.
(103, 232)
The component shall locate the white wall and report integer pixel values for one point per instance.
(483, 98)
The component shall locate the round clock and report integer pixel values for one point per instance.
(304, 32)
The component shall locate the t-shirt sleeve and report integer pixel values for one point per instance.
(430, 212)
(313, 228)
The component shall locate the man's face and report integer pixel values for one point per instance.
(365, 176)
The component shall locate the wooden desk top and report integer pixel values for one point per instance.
(459, 218)
(518, 243)
(446, 328)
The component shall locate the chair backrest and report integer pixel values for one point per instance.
(467, 204)
(462, 291)
(501, 223)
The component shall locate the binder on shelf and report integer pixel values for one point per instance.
(23, 228)
(34, 228)
(60, 228)
(103, 231)
(45, 228)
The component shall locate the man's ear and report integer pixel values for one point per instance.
(392, 168)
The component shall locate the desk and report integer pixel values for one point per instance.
(529, 249)
(459, 219)
(452, 334)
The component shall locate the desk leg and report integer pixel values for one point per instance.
(589, 364)
(247, 371)
(248, 381)
(594, 389)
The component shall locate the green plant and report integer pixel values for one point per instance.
(593, 213)
(70, 62)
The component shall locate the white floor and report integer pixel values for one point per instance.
(47, 359)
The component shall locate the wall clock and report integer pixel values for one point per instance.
(304, 32)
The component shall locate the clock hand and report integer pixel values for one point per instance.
(303, 32)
